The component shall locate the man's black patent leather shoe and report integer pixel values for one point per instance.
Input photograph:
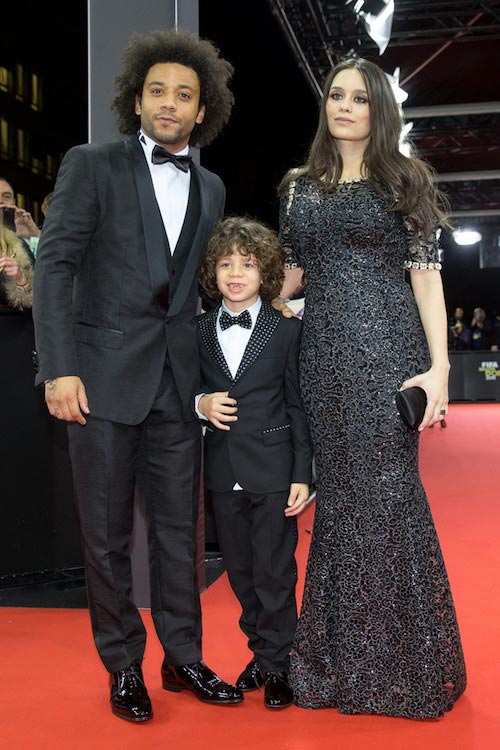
(129, 697)
(277, 693)
(202, 682)
(251, 678)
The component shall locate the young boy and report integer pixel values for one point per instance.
(257, 447)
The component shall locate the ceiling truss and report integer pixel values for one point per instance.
(321, 31)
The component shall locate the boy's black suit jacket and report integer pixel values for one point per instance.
(107, 305)
(269, 446)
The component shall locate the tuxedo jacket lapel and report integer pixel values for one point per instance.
(199, 241)
(208, 332)
(155, 238)
(265, 325)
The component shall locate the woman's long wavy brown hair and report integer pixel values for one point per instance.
(407, 182)
(246, 237)
(183, 48)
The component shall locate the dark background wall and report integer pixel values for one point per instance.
(38, 530)
(48, 39)
(466, 284)
(275, 111)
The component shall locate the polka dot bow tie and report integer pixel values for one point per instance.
(243, 319)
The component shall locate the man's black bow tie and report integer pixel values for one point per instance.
(161, 156)
(243, 319)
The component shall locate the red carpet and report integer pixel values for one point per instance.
(54, 690)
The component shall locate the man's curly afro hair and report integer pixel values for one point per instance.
(183, 48)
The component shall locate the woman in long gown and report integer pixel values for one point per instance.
(377, 631)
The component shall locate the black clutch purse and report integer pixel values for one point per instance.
(411, 404)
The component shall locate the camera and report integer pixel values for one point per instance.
(8, 216)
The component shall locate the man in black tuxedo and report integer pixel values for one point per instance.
(257, 448)
(116, 294)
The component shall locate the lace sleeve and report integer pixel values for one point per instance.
(423, 254)
(286, 202)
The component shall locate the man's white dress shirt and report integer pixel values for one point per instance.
(171, 186)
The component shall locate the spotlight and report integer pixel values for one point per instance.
(377, 17)
(465, 236)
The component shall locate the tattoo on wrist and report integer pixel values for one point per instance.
(51, 385)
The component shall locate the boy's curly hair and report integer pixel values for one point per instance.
(183, 48)
(247, 237)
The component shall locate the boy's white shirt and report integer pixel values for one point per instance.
(233, 341)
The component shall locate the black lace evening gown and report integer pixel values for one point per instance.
(377, 631)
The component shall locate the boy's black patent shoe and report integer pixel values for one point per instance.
(129, 697)
(251, 678)
(278, 693)
(202, 682)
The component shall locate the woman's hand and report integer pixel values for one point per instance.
(12, 269)
(279, 304)
(428, 290)
(435, 384)
(291, 284)
(25, 226)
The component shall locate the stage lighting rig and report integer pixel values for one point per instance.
(377, 17)
(367, 6)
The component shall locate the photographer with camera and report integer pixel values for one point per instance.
(20, 221)
(16, 271)
(459, 334)
(481, 329)
(16, 261)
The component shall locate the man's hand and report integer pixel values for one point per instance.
(297, 499)
(218, 408)
(25, 226)
(66, 399)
